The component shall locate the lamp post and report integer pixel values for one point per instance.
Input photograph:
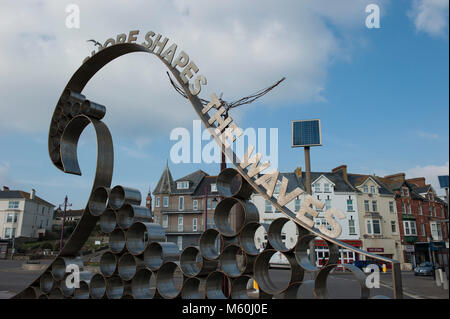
(66, 204)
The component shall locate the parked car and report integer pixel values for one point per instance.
(424, 269)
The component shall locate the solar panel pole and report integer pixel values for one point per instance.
(312, 243)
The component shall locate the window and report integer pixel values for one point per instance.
(420, 209)
(409, 228)
(180, 242)
(7, 232)
(13, 233)
(436, 231)
(366, 206)
(165, 221)
(422, 229)
(13, 205)
(374, 206)
(406, 192)
(195, 204)
(317, 188)
(194, 224)
(366, 189)
(326, 188)
(372, 189)
(393, 227)
(213, 187)
(183, 185)
(297, 205)
(351, 226)
(180, 223)
(9, 218)
(209, 203)
(391, 207)
(434, 211)
(409, 209)
(181, 203)
(277, 188)
(327, 203)
(214, 203)
(373, 227)
(429, 210)
(403, 208)
(268, 207)
(349, 205)
(166, 201)
(158, 199)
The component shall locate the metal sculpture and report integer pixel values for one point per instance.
(140, 263)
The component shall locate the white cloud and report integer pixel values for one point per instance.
(240, 46)
(431, 173)
(427, 135)
(430, 16)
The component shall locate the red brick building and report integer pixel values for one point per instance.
(422, 219)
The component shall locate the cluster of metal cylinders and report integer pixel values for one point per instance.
(70, 105)
(141, 264)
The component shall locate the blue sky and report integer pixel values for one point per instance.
(381, 94)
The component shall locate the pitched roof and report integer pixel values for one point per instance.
(17, 194)
(205, 182)
(165, 184)
(194, 180)
(359, 179)
(423, 189)
(340, 185)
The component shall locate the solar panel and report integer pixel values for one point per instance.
(443, 181)
(306, 133)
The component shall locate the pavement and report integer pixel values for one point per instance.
(13, 278)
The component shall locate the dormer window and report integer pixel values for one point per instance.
(326, 188)
(213, 187)
(277, 188)
(317, 188)
(372, 189)
(366, 189)
(405, 192)
(183, 185)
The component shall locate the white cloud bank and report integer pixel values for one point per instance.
(240, 46)
(430, 16)
(431, 173)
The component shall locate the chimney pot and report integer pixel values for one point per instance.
(5, 188)
(32, 193)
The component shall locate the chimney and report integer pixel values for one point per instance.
(5, 188)
(395, 178)
(32, 193)
(342, 169)
(298, 172)
(419, 181)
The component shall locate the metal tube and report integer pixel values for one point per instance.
(231, 184)
(304, 260)
(108, 264)
(59, 266)
(208, 244)
(97, 202)
(129, 214)
(82, 292)
(157, 253)
(121, 195)
(47, 282)
(115, 287)
(247, 238)
(193, 264)
(55, 293)
(97, 286)
(263, 278)
(143, 285)
(117, 241)
(140, 234)
(128, 265)
(93, 109)
(214, 285)
(234, 262)
(108, 221)
(166, 282)
(191, 289)
(223, 211)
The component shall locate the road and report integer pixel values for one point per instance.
(340, 286)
